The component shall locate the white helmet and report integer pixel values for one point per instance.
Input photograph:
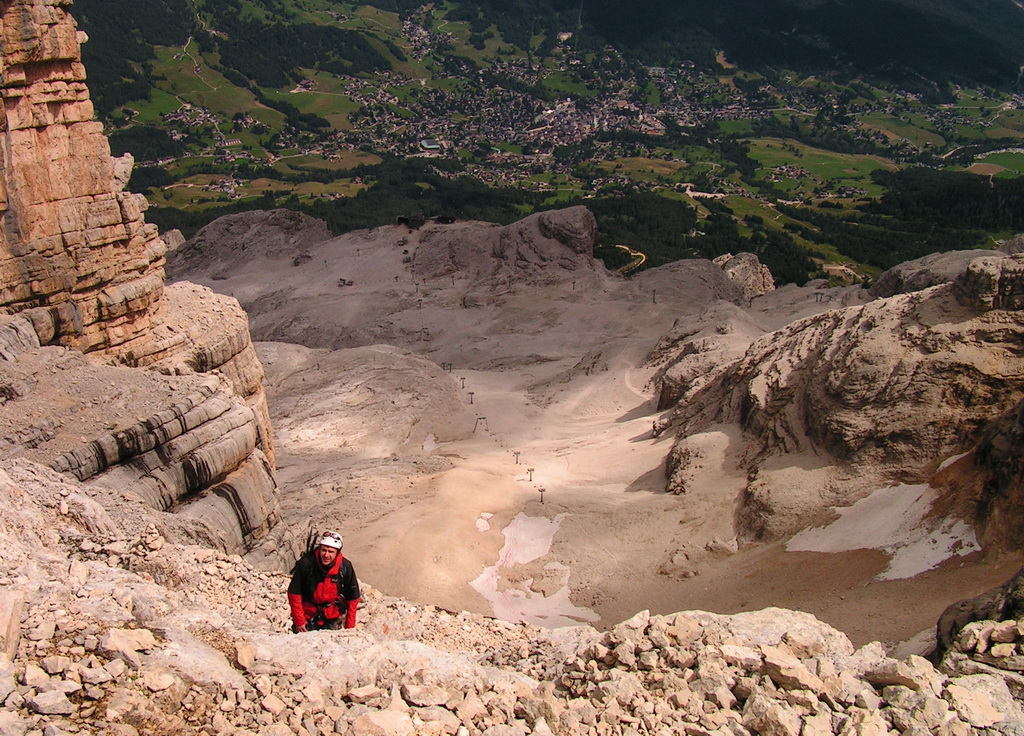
(331, 539)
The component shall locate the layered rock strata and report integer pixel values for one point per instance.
(72, 241)
(196, 458)
(80, 268)
(887, 387)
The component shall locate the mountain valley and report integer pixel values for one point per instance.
(580, 502)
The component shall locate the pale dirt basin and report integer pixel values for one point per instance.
(474, 534)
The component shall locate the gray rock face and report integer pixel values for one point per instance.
(1012, 246)
(534, 248)
(198, 457)
(574, 227)
(203, 448)
(990, 481)
(747, 272)
(173, 239)
(993, 282)
(999, 466)
(277, 234)
(819, 381)
(921, 273)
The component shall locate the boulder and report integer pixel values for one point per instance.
(747, 272)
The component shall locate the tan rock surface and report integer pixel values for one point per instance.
(80, 268)
(565, 370)
(747, 272)
(72, 241)
(881, 389)
(143, 636)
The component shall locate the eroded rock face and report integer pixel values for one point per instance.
(80, 268)
(882, 388)
(574, 227)
(748, 273)
(993, 282)
(988, 481)
(71, 240)
(921, 273)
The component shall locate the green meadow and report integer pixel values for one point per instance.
(915, 131)
(1012, 162)
(840, 169)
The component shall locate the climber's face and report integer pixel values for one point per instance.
(327, 555)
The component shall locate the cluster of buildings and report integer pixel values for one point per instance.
(189, 116)
(505, 126)
(421, 40)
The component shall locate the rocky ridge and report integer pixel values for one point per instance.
(849, 389)
(538, 247)
(275, 234)
(81, 269)
(105, 632)
(921, 273)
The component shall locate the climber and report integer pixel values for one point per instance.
(323, 588)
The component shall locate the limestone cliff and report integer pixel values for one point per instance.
(72, 242)
(870, 393)
(81, 269)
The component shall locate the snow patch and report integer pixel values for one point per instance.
(528, 538)
(893, 519)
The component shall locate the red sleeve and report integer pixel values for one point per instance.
(350, 617)
(298, 614)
